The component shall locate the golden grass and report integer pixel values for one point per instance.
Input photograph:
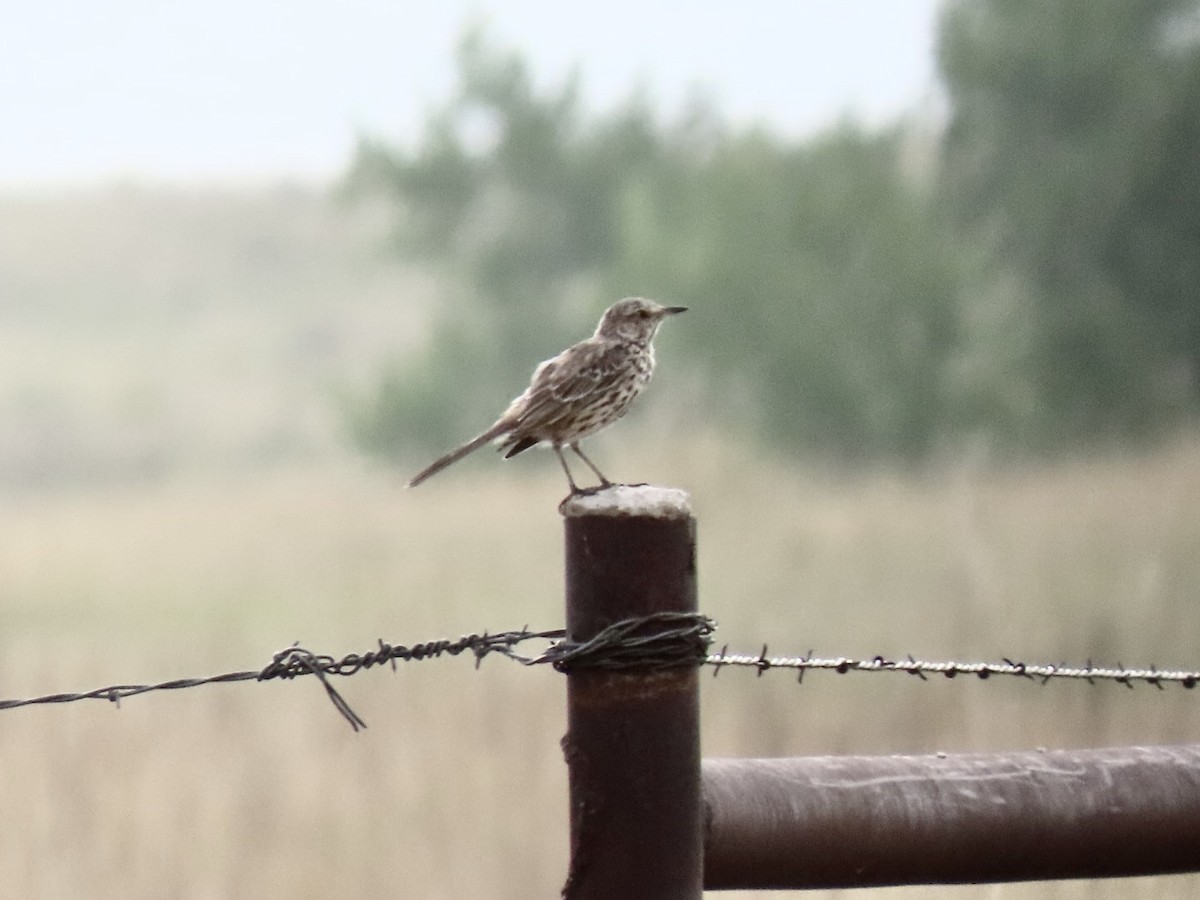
(457, 788)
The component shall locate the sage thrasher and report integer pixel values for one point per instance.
(585, 388)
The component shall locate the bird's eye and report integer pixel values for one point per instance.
(644, 313)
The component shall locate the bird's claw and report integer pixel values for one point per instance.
(577, 491)
(594, 489)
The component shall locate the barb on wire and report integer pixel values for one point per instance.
(658, 641)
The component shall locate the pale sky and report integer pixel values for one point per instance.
(237, 90)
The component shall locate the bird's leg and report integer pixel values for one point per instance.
(604, 482)
(562, 459)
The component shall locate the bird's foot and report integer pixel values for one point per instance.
(594, 489)
(577, 491)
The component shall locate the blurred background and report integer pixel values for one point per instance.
(936, 394)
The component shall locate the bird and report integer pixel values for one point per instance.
(571, 396)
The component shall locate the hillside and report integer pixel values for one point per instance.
(147, 329)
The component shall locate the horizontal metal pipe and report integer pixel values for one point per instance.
(853, 821)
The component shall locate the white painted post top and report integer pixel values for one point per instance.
(630, 500)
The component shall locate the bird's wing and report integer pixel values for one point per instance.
(560, 383)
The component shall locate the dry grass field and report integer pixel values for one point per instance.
(120, 566)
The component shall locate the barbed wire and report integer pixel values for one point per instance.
(295, 661)
(647, 643)
(1042, 672)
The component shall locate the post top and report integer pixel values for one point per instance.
(629, 501)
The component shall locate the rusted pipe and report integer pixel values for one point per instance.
(633, 740)
(840, 822)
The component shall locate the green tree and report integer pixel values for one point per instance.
(1072, 149)
(827, 287)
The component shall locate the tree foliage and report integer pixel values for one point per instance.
(1072, 146)
(826, 295)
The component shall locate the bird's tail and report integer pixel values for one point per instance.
(455, 455)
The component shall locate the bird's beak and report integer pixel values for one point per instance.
(672, 310)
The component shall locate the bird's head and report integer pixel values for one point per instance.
(635, 319)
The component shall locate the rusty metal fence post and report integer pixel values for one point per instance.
(633, 736)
